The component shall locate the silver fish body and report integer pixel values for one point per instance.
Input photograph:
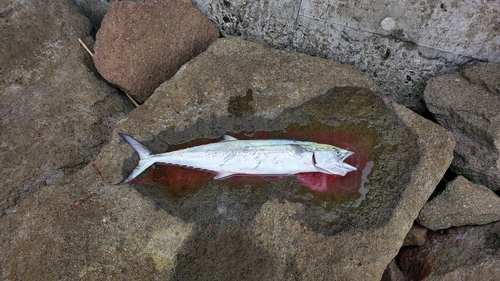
(248, 157)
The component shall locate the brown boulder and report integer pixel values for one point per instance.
(142, 44)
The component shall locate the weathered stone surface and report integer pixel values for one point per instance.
(461, 203)
(83, 228)
(467, 104)
(56, 114)
(275, 230)
(464, 253)
(485, 74)
(141, 45)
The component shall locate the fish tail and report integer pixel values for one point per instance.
(146, 158)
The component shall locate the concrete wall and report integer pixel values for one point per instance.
(398, 43)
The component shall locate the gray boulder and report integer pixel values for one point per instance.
(56, 114)
(467, 104)
(461, 203)
(262, 229)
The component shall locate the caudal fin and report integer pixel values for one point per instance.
(145, 158)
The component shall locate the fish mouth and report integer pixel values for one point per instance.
(348, 167)
(345, 168)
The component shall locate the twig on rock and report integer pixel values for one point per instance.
(132, 100)
(85, 46)
(92, 55)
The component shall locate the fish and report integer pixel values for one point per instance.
(231, 156)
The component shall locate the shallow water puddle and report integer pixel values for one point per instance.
(350, 118)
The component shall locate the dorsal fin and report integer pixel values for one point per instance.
(228, 138)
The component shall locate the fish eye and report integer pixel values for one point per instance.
(337, 152)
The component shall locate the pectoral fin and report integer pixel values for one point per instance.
(223, 175)
(300, 150)
(229, 138)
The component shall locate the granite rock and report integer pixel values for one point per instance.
(461, 203)
(140, 45)
(84, 228)
(56, 114)
(467, 104)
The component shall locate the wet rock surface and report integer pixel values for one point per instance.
(463, 253)
(140, 45)
(461, 203)
(357, 115)
(467, 104)
(56, 114)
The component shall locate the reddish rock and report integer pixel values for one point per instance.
(142, 44)
(393, 273)
(416, 236)
(462, 253)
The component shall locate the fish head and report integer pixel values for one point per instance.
(331, 161)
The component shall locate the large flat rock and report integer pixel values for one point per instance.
(242, 228)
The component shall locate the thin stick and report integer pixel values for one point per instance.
(92, 55)
(85, 46)
(132, 100)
